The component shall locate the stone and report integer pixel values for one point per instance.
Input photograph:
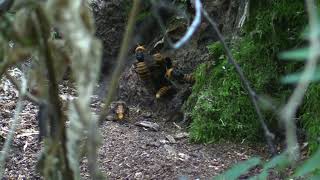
(147, 124)
(171, 139)
(171, 151)
(181, 135)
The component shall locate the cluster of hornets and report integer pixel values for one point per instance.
(158, 74)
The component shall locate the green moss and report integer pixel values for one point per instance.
(310, 116)
(216, 50)
(219, 105)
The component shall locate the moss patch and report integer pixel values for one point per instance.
(311, 116)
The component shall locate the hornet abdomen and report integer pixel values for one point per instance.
(143, 71)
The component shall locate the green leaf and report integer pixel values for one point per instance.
(296, 55)
(316, 177)
(238, 169)
(277, 161)
(280, 160)
(306, 32)
(309, 166)
(295, 77)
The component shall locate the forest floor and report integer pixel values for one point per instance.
(127, 151)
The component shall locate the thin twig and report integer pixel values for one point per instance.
(15, 123)
(253, 97)
(27, 95)
(289, 111)
(121, 58)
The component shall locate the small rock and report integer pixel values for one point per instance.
(148, 124)
(138, 175)
(171, 139)
(181, 135)
(183, 157)
(110, 118)
(144, 146)
(155, 144)
(163, 141)
(170, 149)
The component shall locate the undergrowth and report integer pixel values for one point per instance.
(310, 116)
(219, 105)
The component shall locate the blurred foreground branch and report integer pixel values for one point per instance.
(74, 20)
(289, 111)
(56, 118)
(27, 95)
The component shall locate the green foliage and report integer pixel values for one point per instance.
(239, 169)
(311, 116)
(295, 77)
(219, 105)
(297, 54)
(308, 168)
(280, 162)
(216, 50)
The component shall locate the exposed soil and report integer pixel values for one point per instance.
(131, 152)
(127, 151)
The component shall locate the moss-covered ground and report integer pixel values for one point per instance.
(220, 106)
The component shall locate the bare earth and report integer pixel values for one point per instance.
(127, 151)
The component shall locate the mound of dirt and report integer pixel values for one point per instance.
(110, 19)
(131, 89)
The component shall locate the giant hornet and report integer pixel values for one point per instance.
(175, 74)
(119, 111)
(165, 90)
(152, 69)
(141, 66)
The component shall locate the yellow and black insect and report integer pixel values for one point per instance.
(159, 58)
(120, 111)
(141, 66)
(152, 70)
(165, 90)
(176, 75)
(189, 78)
(142, 70)
(169, 73)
